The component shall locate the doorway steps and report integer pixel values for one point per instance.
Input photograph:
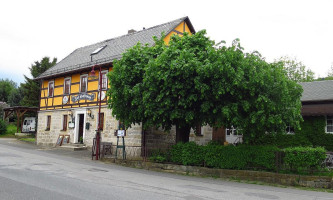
(73, 146)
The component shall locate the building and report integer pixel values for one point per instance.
(317, 102)
(69, 98)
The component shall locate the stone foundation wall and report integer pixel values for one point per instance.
(268, 177)
(50, 137)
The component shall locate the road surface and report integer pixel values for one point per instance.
(30, 172)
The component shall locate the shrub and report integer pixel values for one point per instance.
(240, 157)
(260, 157)
(187, 153)
(3, 127)
(159, 156)
(304, 158)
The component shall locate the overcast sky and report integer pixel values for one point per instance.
(32, 29)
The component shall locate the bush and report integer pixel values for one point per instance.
(240, 157)
(304, 158)
(187, 153)
(3, 127)
(159, 156)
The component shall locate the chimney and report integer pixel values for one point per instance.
(131, 31)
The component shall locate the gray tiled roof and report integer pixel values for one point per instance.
(317, 91)
(80, 58)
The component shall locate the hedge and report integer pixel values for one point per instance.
(243, 157)
(302, 158)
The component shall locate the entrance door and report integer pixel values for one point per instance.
(81, 126)
(219, 135)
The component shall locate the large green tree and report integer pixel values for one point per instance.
(31, 87)
(295, 69)
(190, 82)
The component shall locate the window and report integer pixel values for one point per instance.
(98, 50)
(64, 123)
(48, 123)
(104, 80)
(233, 131)
(84, 83)
(198, 131)
(51, 88)
(101, 121)
(329, 124)
(290, 130)
(67, 86)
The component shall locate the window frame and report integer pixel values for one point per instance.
(84, 76)
(198, 130)
(48, 89)
(102, 123)
(326, 118)
(64, 123)
(70, 83)
(103, 72)
(289, 130)
(48, 122)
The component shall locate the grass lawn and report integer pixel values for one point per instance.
(28, 139)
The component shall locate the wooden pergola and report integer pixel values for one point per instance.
(20, 111)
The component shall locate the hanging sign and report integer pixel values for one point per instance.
(65, 100)
(83, 96)
(102, 95)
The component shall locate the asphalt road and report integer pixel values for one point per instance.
(30, 172)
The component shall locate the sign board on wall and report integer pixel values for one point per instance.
(121, 133)
(83, 96)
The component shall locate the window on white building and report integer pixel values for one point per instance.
(329, 124)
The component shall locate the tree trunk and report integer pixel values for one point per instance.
(182, 133)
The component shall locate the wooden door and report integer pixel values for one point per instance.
(219, 135)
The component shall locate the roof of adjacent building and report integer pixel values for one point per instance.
(113, 49)
(317, 91)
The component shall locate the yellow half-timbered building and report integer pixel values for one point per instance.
(69, 97)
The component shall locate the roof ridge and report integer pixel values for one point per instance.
(136, 32)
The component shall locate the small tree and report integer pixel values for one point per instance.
(296, 70)
(31, 87)
(6, 87)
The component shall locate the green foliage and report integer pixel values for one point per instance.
(31, 87)
(159, 156)
(3, 127)
(11, 129)
(173, 89)
(241, 157)
(311, 133)
(15, 97)
(303, 158)
(224, 157)
(190, 83)
(296, 70)
(126, 81)
(6, 87)
(187, 153)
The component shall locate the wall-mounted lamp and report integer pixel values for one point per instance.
(70, 113)
(89, 114)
